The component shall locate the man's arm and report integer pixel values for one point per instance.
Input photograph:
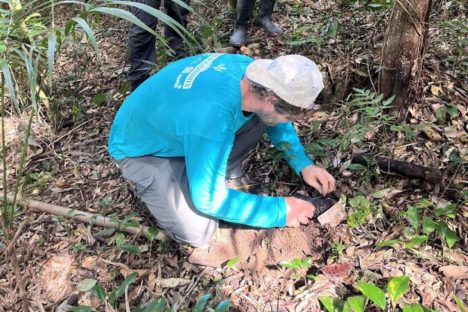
(285, 138)
(206, 161)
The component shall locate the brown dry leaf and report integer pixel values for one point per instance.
(453, 132)
(89, 263)
(333, 216)
(436, 90)
(127, 271)
(323, 286)
(173, 282)
(455, 271)
(55, 280)
(432, 133)
(374, 260)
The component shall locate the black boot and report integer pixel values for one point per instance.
(264, 17)
(180, 15)
(135, 83)
(243, 11)
(239, 36)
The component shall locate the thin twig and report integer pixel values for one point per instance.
(127, 304)
(11, 244)
(19, 281)
(71, 131)
(189, 291)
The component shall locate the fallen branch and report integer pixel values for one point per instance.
(403, 168)
(82, 216)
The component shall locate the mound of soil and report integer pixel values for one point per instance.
(258, 249)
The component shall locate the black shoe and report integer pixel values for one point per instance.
(177, 46)
(135, 83)
(239, 36)
(321, 204)
(267, 25)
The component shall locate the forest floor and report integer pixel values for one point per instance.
(395, 227)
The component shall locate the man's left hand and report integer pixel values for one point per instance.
(319, 179)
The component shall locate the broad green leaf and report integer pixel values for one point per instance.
(99, 99)
(130, 249)
(344, 306)
(460, 303)
(413, 216)
(99, 292)
(119, 239)
(374, 293)
(86, 284)
(442, 228)
(428, 225)
(357, 303)
(152, 233)
(120, 291)
(416, 241)
(156, 306)
(201, 303)
(424, 203)
(388, 243)
(449, 211)
(328, 303)
(89, 32)
(413, 308)
(105, 232)
(385, 192)
(223, 306)
(397, 287)
(451, 238)
(356, 167)
(231, 262)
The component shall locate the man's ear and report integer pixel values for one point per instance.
(270, 102)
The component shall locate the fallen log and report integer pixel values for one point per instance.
(403, 168)
(82, 216)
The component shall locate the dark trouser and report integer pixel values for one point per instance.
(244, 10)
(162, 184)
(142, 44)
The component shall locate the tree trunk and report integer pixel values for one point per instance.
(403, 51)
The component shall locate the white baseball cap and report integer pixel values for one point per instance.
(294, 78)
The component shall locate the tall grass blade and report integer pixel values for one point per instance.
(11, 88)
(51, 46)
(166, 19)
(90, 33)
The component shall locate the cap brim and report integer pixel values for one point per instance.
(257, 72)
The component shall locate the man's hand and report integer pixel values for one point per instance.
(298, 211)
(319, 179)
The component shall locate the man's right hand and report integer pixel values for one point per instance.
(298, 211)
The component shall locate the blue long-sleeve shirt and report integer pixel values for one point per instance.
(192, 109)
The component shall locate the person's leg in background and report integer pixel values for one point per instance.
(180, 15)
(142, 44)
(263, 18)
(243, 13)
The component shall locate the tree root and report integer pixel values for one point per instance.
(403, 168)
